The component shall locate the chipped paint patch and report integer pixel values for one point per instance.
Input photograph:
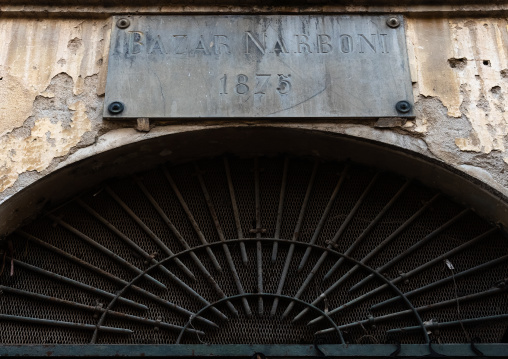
(16, 103)
(482, 86)
(430, 47)
(460, 81)
(463, 63)
(36, 52)
(46, 141)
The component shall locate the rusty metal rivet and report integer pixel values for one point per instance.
(123, 23)
(393, 22)
(115, 107)
(403, 106)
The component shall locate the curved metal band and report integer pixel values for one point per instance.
(270, 240)
(271, 295)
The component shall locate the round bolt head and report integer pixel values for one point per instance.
(115, 107)
(403, 106)
(123, 23)
(393, 22)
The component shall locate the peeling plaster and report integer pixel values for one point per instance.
(483, 44)
(432, 47)
(461, 67)
(47, 140)
(36, 52)
(13, 113)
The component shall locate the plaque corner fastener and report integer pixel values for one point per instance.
(393, 22)
(123, 23)
(116, 107)
(403, 106)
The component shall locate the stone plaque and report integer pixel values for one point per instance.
(285, 66)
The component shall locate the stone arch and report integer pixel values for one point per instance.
(120, 155)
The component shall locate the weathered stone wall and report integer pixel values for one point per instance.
(52, 73)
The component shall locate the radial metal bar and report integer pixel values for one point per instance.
(77, 284)
(60, 324)
(148, 231)
(202, 238)
(375, 320)
(339, 233)
(296, 234)
(152, 261)
(412, 272)
(369, 228)
(386, 241)
(360, 238)
(329, 250)
(440, 282)
(433, 326)
(236, 213)
(259, 248)
(90, 308)
(193, 222)
(182, 240)
(122, 236)
(112, 277)
(333, 252)
(220, 232)
(280, 210)
(104, 250)
(412, 249)
(324, 217)
(270, 295)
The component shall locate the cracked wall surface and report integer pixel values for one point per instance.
(49, 75)
(52, 74)
(460, 72)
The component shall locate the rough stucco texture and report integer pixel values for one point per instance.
(52, 73)
(48, 72)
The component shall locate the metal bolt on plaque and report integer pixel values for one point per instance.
(123, 23)
(115, 107)
(403, 106)
(393, 22)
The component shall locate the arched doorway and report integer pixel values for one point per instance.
(257, 250)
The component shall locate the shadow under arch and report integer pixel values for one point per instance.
(62, 184)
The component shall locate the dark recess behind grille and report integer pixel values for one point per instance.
(258, 328)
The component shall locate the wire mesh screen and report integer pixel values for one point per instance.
(255, 251)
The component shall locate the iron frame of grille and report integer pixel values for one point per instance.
(238, 350)
(248, 350)
(271, 350)
(308, 245)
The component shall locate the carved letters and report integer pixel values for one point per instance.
(258, 66)
(241, 87)
(140, 42)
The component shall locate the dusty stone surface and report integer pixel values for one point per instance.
(461, 65)
(93, 8)
(53, 73)
(60, 122)
(49, 76)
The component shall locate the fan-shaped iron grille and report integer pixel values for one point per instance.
(282, 247)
